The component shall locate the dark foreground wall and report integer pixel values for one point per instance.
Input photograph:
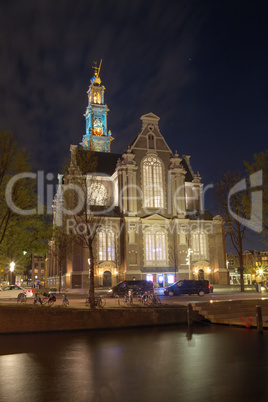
(16, 319)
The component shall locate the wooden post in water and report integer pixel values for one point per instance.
(189, 315)
(259, 319)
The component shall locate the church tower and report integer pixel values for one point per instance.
(97, 137)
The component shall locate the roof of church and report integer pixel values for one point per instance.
(106, 161)
(200, 214)
(189, 176)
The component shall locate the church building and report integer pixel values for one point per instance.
(153, 225)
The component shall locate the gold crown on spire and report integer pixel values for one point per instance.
(97, 72)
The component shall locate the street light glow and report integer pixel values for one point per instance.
(11, 269)
(12, 266)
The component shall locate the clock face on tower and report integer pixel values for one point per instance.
(98, 131)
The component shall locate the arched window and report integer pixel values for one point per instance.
(153, 195)
(151, 143)
(155, 247)
(199, 245)
(106, 240)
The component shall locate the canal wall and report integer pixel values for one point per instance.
(23, 318)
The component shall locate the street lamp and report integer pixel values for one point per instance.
(11, 268)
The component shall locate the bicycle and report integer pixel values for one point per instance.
(117, 300)
(149, 299)
(21, 298)
(65, 301)
(154, 299)
(37, 300)
(49, 300)
(98, 300)
(128, 298)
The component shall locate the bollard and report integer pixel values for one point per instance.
(259, 319)
(189, 315)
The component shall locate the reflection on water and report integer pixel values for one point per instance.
(152, 364)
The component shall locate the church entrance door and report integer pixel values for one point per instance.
(107, 279)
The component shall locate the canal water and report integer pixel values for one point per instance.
(211, 364)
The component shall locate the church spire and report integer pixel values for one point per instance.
(97, 137)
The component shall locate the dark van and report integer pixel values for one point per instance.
(138, 287)
(188, 287)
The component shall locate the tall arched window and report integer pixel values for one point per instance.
(199, 245)
(155, 247)
(153, 194)
(106, 240)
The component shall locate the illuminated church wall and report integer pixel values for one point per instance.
(156, 215)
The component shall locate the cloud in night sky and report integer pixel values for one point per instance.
(201, 66)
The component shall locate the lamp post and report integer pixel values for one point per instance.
(11, 268)
(188, 260)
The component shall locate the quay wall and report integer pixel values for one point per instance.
(22, 319)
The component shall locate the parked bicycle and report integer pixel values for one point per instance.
(37, 299)
(65, 301)
(99, 301)
(150, 299)
(21, 298)
(49, 299)
(128, 298)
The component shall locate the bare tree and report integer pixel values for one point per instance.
(260, 163)
(230, 207)
(60, 249)
(86, 198)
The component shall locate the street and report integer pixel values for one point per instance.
(220, 293)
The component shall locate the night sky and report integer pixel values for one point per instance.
(201, 66)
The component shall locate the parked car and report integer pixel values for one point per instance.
(12, 292)
(188, 287)
(138, 287)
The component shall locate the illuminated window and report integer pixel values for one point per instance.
(199, 245)
(153, 183)
(97, 194)
(149, 277)
(155, 247)
(106, 245)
